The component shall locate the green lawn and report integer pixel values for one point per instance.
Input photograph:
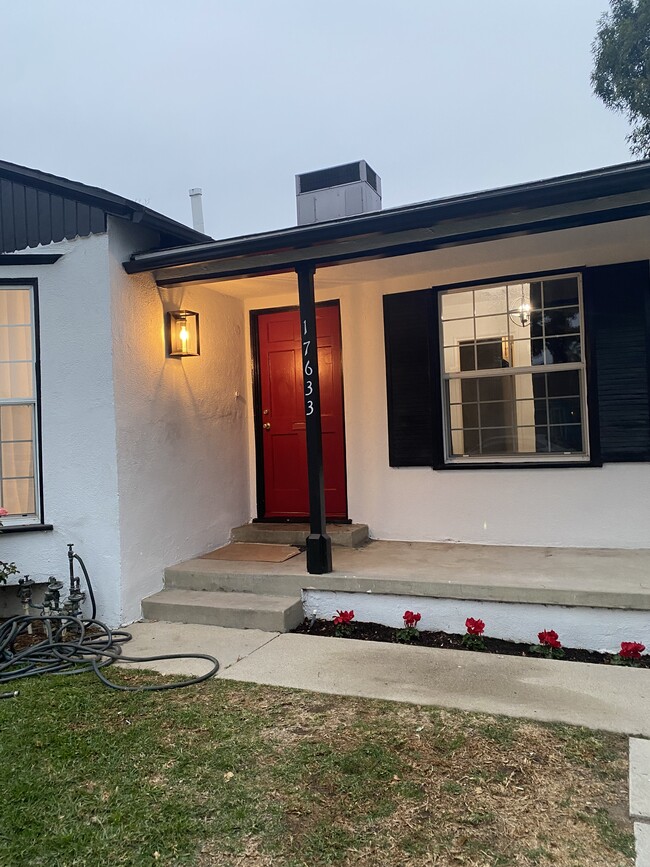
(232, 774)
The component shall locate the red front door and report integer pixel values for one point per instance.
(284, 447)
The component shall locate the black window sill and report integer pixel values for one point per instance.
(26, 528)
(549, 465)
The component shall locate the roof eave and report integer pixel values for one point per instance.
(583, 187)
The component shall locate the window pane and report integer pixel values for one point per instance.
(524, 385)
(525, 412)
(526, 440)
(470, 415)
(536, 324)
(16, 423)
(455, 391)
(491, 327)
(16, 343)
(496, 414)
(469, 390)
(495, 388)
(561, 292)
(490, 300)
(498, 441)
(467, 356)
(564, 410)
(457, 305)
(15, 306)
(17, 460)
(565, 438)
(492, 355)
(563, 350)
(16, 380)
(458, 331)
(451, 359)
(562, 321)
(564, 383)
(456, 416)
(472, 442)
(518, 295)
(18, 496)
(457, 442)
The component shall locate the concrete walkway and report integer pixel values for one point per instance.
(597, 696)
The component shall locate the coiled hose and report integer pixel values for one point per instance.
(73, 645)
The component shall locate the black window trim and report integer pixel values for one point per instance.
(39, 523)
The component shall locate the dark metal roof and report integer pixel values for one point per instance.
(591, 193)
(38, 208)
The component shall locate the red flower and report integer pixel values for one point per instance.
(631, 650)
(474, 627)
(343, 617)
(549, 638)
(411, 619)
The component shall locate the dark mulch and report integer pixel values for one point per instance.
(446, 640)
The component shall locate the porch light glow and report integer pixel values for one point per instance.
(522, 315)
(182, 330)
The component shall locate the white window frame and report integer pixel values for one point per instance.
(35, 517)
(528, 458)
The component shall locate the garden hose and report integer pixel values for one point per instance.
(73, 645)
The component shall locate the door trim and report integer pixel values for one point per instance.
(257, 417)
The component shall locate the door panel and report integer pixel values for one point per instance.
(284, 447)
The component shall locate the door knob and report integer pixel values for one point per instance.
(267, 425)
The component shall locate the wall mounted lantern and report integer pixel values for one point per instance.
(182, 332)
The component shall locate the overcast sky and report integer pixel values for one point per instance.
(147, 98)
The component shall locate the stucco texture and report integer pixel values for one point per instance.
(182, 452)
(77, 417)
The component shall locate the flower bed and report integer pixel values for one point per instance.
(445, 640)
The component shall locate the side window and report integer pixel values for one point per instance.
(18, 405)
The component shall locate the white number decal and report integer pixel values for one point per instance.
(310, 387)
(304, 326)
(310, 407)
(306, 344)
(308, 369)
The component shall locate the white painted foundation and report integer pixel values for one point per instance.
(600, 629)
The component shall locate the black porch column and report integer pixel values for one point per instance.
(319, 544)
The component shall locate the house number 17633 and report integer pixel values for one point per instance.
(308, 370)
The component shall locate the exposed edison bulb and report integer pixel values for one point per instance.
(184, 336)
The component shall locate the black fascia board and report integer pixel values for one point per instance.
(368, 253)
(109, 202)
(584, 186)
(29, 258)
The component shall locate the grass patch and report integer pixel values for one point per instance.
(235, 774)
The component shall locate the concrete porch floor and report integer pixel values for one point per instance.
(594, 577)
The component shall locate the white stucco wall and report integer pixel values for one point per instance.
(581, 506)
(181, 428)
(77, 413)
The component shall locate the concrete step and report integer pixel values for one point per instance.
(238, 610)
(345, 535)
(218, 575)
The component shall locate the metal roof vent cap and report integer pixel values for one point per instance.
(337, 192)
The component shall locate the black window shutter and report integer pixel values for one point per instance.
(617, 303)
(413, 390)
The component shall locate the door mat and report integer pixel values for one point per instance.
(253, 551)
